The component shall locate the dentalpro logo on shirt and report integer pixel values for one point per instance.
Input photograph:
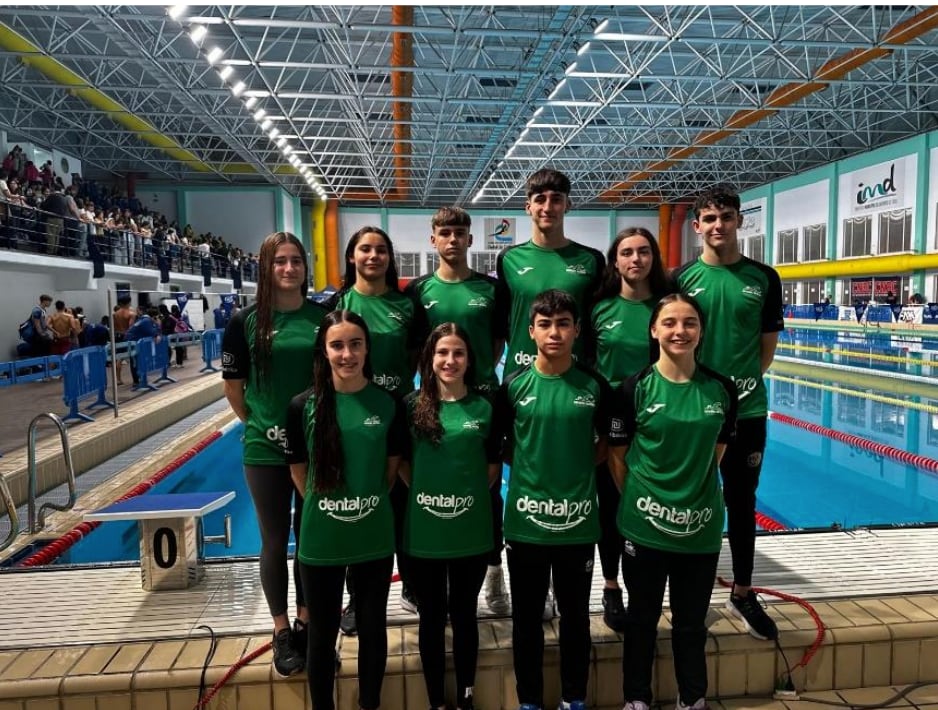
(676, 522)
(349, 510)
(554, 515)
(445, 506)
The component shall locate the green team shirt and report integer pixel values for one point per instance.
(740, 302)
(449, 513)
(290, 372)
(620, 336)
(551, 423)
(476, 305)
(526, 270)
(397, 327)
(353, 523)
(671, 499)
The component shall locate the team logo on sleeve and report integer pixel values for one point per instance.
(696, 291)
(614, 324)
(446, 507)
(655, 407)
(554, 515)
(524, 270)
(430, 304)
(526, 401)
(227, 360)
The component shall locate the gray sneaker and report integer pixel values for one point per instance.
(496, 594)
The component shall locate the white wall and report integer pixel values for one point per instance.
(286, 205)
(162, 201)
(242, 217)
(931, 207)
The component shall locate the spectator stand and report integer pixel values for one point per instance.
(211, 349)
(85, 375)
(151, 356)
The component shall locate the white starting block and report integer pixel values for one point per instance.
(171, 539)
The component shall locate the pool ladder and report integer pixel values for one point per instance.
(35, 523)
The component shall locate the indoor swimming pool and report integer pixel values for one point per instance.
(831, 380)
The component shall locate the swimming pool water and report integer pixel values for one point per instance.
(808, 480)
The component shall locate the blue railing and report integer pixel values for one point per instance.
(151, 356)
(84, 375)
(211, 349)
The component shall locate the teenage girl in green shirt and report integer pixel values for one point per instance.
(454, 460)
(633, 281)
(344, 438)
(671, 426)
(398, 327)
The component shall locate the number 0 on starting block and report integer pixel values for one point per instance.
(171, 540)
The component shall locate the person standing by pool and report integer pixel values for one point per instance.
(267, 358)
(454, 459)
(671, 424)
(457, 294)
(344, 440)
(548, 260)
(633, 281)
(554, 413)
(397, 326)
(742, 300)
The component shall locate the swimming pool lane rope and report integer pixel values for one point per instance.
(855, 354)
(917, 460)
(57, 547)
(885, 399)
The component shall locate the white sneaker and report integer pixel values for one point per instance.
(635, 705)
(549, 610)
(699, 704)
(496, 594)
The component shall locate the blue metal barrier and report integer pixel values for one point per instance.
(211, 349)
(879, 314)
(151, 356)
(6, 374)
(36, 369)
(84, 373)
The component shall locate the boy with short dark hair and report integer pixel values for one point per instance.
(555, 415)
(548, 260)
(455, 293)
(742, 301)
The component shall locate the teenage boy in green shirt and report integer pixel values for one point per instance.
(455, 293)
(742, 302)
(555, 415)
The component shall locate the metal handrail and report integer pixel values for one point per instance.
(34, 526)
(11, 511)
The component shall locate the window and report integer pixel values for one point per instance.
(851, 410)
(790, 292)
(813, 291)
(484, 261)
(895, 231)
(815, 242)
(889, 418)
(788, 246)
(857, 236)
(408, 264)
(433, 262)
(754, 247)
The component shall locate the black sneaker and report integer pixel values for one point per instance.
(286, 660)
(613, 609)
(347, 624)
(300, 639)
(750, 612)
(408, 600)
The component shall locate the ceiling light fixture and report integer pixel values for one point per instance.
(273, 133)
(259, 114)
(175, 12)
(226, 72)
(267, 123)
(238, 88)
(215, 53)
(250, 101)
(601, 26)
(198, 34)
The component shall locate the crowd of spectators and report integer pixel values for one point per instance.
(87, 220)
